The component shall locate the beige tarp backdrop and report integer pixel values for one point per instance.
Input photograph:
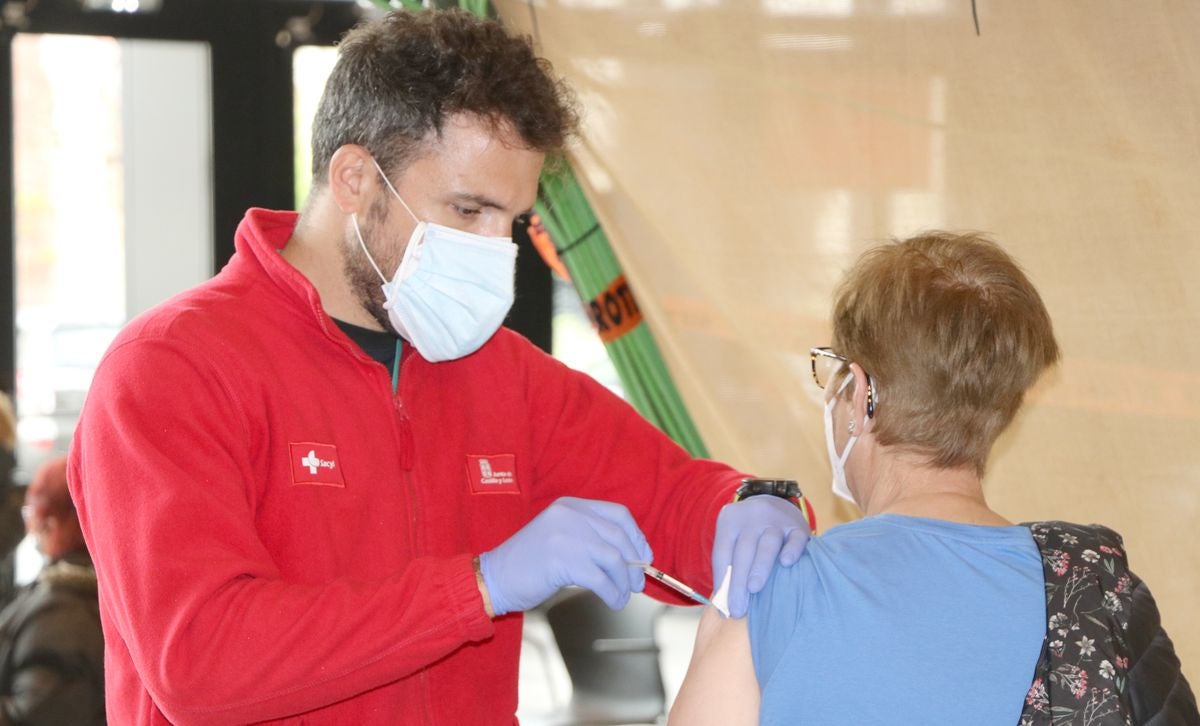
(741, 153)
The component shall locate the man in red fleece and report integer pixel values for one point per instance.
(322, 486)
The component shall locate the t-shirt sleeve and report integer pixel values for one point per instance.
(774, 616)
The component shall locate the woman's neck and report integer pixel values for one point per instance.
(903, 485)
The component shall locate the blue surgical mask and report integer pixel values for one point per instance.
(452, 289)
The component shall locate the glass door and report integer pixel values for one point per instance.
(113, 212)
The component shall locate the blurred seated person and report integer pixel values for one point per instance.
(933, 608)
(51, 645)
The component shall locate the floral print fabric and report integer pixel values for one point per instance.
(1082, 674)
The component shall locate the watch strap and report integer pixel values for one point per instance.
(787, 489)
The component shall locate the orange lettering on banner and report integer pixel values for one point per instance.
(614, 312)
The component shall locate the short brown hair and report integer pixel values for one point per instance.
(952, 333)
(397, 80)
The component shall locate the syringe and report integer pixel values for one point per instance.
(670, 582)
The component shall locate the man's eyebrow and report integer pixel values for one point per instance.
(481, 201)
(478, 200)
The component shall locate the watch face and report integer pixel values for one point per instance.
(786, 488)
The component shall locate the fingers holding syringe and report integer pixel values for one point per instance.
(610, 514)
(572, 542)
(615, 527)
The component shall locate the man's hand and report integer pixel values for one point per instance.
(580, 542)
(751, 535)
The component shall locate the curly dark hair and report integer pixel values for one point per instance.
(398, 79)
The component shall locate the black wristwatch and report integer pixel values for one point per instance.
(787, 489)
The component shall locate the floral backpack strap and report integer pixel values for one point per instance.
(1081, 676)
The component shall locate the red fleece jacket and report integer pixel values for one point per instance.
(278, 536)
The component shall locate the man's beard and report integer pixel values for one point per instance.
(360, 275)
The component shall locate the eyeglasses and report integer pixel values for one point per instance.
(825, 367)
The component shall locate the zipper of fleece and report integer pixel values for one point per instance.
(407, 458)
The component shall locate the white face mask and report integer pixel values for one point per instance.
(838, 462)
(451, 290)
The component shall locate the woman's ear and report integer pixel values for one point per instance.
(862, 422)
(352, 178)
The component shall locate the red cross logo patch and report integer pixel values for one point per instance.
(314, 463)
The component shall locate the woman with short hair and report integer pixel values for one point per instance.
(933, 608)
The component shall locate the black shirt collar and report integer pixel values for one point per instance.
(377, 344)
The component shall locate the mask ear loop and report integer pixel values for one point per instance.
(361, 243)
(871, 397)
(394, 192)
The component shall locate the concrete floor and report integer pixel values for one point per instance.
(545, 688)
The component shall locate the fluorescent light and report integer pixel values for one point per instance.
(121, 6)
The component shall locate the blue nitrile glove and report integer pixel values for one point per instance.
(751, 535)
(572, 542)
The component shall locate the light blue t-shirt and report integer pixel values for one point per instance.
(901, 620)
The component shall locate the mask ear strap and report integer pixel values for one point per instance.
(394, 192)
(361, 243)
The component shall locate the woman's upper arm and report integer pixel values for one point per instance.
(720, 687)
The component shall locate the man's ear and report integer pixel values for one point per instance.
(862, 423)
(352, 178)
